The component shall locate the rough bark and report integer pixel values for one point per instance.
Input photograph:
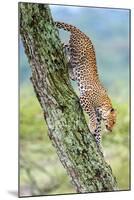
(67, 128)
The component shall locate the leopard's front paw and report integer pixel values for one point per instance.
(96, 133)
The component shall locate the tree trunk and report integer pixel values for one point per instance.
(67, 128)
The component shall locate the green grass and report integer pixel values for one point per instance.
(41, 171)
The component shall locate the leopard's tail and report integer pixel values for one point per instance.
(66, 27)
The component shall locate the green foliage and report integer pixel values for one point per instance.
(31, 124)
(39, 157)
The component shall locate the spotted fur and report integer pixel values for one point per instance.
(93, 96)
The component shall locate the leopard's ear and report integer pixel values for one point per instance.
(112, 110)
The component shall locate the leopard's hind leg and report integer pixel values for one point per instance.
(66, 48)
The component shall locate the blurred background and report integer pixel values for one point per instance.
(41, 172)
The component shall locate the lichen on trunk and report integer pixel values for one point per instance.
(67, 128)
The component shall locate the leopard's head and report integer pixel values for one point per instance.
(110, 119)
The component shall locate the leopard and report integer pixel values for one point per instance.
(83, 69)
